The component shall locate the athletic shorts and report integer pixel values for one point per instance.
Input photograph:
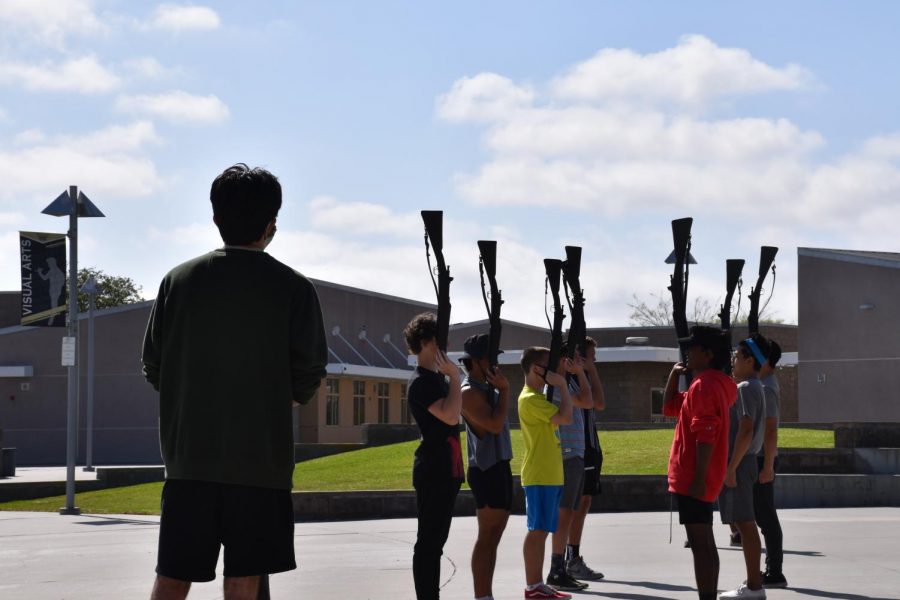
(256, 526)
(573, 482)
(492, 488)
(736, 504)
(542, 506)
(593, 463)
(692, 511)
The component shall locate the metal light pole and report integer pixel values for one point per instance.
(90, 288)
(72, 204)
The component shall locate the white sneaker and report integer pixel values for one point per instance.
(744, 592)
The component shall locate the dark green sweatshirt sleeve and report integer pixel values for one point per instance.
(152, 353)
(309, 347)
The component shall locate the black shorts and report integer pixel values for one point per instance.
(692, 511)
(593, 463)
(256, 526)
(492, 488)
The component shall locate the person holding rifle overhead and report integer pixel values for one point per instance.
(767, 461)
(571, 438)
(745, 440)
(593, 461)
(435, 401)
(542, 467)
(698, 460)
(485, 406)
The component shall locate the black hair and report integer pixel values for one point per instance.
(532, 355)
(467, 363)
(244, 202)
(774, 353)
(422, 328)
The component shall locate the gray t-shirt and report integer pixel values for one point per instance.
(571, 436)
(751, 403)
(490, 448)
(773, 397)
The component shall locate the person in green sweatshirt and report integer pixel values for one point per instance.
(235, 338)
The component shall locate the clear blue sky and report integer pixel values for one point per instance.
(534, 123)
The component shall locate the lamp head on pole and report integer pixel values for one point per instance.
(64, 206)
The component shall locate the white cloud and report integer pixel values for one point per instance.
(484, 97)
(693, 72)
(184, 17)
(49, 21)
(106, 162)
(115, 138)
(11, 219)
(176, 106)
(148, 67)
(84, 75)
(627, 157)
(362, 218)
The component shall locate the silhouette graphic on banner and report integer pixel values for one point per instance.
(43, 278)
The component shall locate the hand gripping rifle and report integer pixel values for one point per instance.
(766, 260)
(553, 267)
(733, 269)
(681, 233)
(434, 231)
(571, 269)
(487, 265)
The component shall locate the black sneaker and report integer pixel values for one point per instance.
(562, 581)
(773, 580)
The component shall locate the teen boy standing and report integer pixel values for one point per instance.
(490, 451)
(542, 468)
(700, 448)
(745, 440)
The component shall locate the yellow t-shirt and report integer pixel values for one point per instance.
(543, 455)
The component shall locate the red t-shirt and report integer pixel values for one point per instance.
(702, 414)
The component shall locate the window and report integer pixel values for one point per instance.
(383, 393)
(404, 405)
(359, 402)
(656, 406)
(332, 401)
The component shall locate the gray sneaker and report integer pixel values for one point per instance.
(578, 570)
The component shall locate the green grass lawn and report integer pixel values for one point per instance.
(390, 468)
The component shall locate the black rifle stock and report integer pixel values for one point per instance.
(571, 269)
(434, 220)
(733, 269)
(553, 267)
(487, 267)
(681, 234)
(766, 258)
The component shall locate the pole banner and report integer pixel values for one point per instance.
(43, 278)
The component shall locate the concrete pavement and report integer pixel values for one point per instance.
(846, 554)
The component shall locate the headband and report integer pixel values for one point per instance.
(757, 353)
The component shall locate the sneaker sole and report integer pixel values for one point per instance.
(586, 578)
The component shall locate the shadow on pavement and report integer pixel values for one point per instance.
(653, 585)
(836, 595)
(101, 520)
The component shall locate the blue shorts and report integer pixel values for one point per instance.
(542, 506)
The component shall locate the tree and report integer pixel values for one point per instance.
(660, 313)
(113, 290)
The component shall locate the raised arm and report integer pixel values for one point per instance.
(590, 368)
(448, 409)
(558, 380)
(480, 415)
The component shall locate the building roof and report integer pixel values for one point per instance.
(890, 260)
